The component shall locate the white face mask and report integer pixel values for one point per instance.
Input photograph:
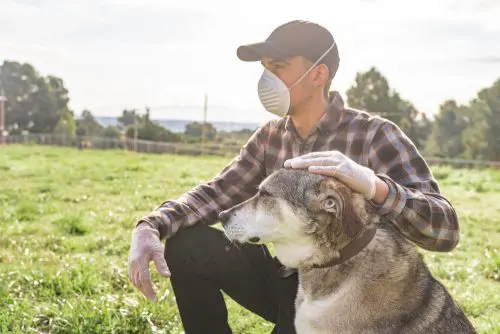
(274, 94)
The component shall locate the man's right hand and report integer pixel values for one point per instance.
(146, 246)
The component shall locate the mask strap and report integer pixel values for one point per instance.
(312, 66)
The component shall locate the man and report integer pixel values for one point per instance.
(317, 132)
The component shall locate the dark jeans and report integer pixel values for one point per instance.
(203, 262)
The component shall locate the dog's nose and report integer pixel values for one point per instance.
(224, 217)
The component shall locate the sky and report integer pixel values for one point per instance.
(116, 54)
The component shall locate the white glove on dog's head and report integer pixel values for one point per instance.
(335, 164)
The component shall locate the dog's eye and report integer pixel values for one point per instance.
(263, 192)
(331, 205)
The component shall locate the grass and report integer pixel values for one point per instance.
(66, 218)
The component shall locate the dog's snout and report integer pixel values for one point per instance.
(224, 216)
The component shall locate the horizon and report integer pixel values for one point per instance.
(172, 119)
(114, 54)
(179, 125)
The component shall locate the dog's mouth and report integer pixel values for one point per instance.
(237, 233)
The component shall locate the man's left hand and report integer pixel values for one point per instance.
(335, 164)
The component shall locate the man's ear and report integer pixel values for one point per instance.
(321, 75)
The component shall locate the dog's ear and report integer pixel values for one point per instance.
(351, 222)
(345, 211)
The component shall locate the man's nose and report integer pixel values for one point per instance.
(224, 216)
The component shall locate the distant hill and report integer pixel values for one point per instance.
(178, 126)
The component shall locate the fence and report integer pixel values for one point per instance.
(463, 162)
(146, 146)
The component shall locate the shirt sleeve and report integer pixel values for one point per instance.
(236, 182)
(414, 203)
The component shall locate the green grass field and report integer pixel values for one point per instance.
(66, 218)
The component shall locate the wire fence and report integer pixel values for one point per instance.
(129, 144)
(154, 147)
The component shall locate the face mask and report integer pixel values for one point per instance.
(274, 94)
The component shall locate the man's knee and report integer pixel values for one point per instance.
(188, 243)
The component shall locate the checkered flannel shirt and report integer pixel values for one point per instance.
(414, 203)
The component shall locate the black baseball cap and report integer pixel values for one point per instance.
(295, 38)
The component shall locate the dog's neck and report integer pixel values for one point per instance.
(292, 254)
(317, 278)
(355, 246)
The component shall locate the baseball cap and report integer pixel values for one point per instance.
(295, 38)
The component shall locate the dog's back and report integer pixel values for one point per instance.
(387, 288)
(425, 306)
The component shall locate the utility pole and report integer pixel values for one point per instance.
(2, 116)
(3, 98)
(203, 129)
(135, 131)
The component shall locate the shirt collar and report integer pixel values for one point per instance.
(330, 119)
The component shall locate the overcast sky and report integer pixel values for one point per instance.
(114, 54)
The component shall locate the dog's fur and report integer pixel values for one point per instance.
(385, 288)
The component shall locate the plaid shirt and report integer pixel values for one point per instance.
(414, 203)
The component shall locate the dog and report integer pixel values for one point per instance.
(357, 273)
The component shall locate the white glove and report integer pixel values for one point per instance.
(335, 164)
(146, 246)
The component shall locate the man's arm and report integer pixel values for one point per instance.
(237, 181)
(414, 203)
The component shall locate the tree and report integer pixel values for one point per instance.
(471, 131)
(111, 132)
(66, 125)
(371, 92)
(446, 137)
(34, 102)
(423, 129)
(239, 137)
(482, 136)
(153, 132)
(150, 130)
(88, 125)
(128, 118)
(195, 130)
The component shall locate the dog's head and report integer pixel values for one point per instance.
(307, 217)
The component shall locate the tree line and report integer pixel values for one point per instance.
(39, 104)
